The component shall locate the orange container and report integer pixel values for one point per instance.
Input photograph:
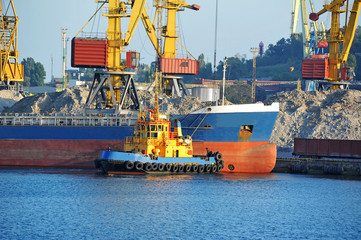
(179, 66)
(88, 53)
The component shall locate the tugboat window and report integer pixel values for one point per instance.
(153, 127)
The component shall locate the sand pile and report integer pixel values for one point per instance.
(68, 101)
(8, 98)
(175, 106)
(73, 101)
(326, 115)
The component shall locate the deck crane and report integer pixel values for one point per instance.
(167, 62)
(337, 37)
(114, 89)
(11, 72)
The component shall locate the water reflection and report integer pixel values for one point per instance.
(215, 177)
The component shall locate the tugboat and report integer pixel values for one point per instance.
(153, 147)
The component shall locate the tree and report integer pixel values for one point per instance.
(34, 73)
(144, 73)
(205, 68)
(239, 93)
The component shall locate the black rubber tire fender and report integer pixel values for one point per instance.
(161, 167)
(181, 168)
(174, 168)
(213, 168)
(201, 168)
(195, 168)
(219, 168)
(221, 163)
(207, 168)
(168, 167)
(218, 156)
(138, 166)
(154, 166)
(147, 166)
(129, 165)
(187, 168)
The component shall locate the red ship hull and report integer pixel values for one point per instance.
(240, 157)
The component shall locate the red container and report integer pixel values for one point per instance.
(315, 68)
(327, 148)
(179, 66)
(89, 53)
(347, 73)
(132, 59)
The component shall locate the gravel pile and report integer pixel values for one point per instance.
(68, 101)
(325, 115)
(8, 98)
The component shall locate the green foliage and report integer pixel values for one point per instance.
(144, 73)
(34, 73)
(239, 93)
(275, 63)
(351, 61)
(205, 69)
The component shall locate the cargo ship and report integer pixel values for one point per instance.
(240, 132)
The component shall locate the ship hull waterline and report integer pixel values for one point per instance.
(239, 157)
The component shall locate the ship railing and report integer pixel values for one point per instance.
(66, 120)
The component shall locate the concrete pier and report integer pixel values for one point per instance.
(349, 167)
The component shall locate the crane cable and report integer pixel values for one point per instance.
(186, 50)
(90, 19)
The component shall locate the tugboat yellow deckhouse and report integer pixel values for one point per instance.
(152, 136)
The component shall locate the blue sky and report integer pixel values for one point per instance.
(242, 24)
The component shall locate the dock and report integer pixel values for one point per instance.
(329, 166)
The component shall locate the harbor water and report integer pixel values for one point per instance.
(75, 204)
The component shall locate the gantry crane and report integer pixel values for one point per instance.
(310, 37)
(340, 40)
(164, 38)
(11, 72)
(114, 89)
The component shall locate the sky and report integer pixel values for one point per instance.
(242, 24)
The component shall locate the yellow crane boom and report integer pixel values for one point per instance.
(339, 36)
(11, 71)
(168, 32)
